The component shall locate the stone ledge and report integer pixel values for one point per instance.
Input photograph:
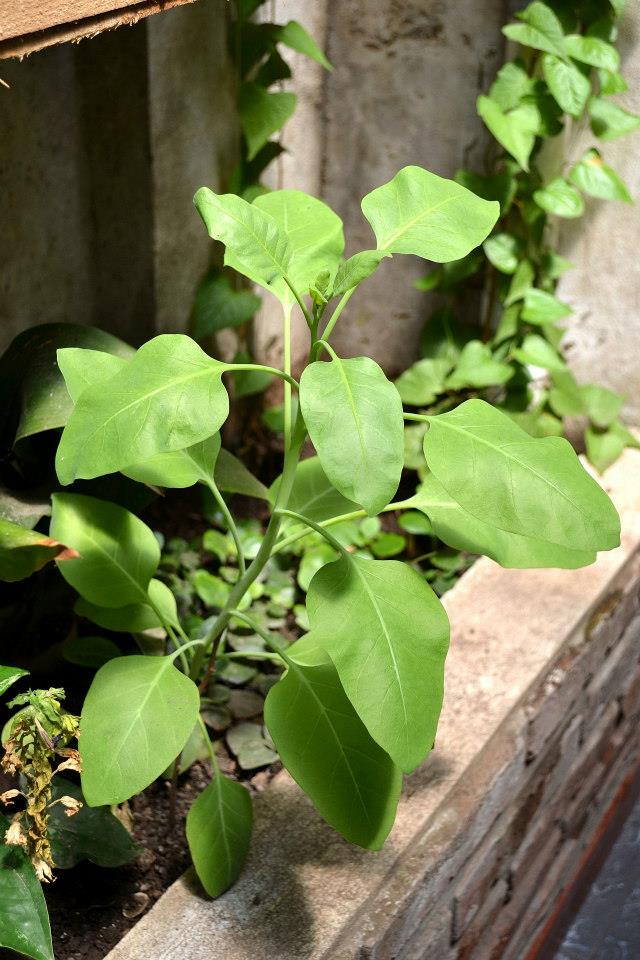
(519, 638)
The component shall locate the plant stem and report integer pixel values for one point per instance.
(231, 524)
(253, 655)
(233, 367)
(420, 417)
(332, 521)
(300, 301)
(335, 316)
(286, 339)
(212, 753)
(266, 636)
(314, 526)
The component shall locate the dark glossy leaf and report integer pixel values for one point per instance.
(24, 922)
(93, 833)
(8, 676)
(232, 476)
(262, 114)
(90, 652)
(218, 306)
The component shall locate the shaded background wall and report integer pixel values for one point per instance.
(105, 142)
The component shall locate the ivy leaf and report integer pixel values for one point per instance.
(516, 130)
(93, 833)
(565, 397)
(567, 83)
(23, 551)
(24, 921)
(8, 676)
(592, 51)
(327, 749)
(602, 406)
(417, 212)
(542, 308)
(609, 121)
(262, 114)
(604, 446)
(503, 251)
(560, 198)
(355, 421)
(118, 553)
(611, 83)
(251, 237)
(217, 306)
(521, 283)
(541, 30)
(596, 178)
(312, 495)
(512, 83)
(523, 485)
(136, 718)
(422, 382)
(218, 828)
(462, 531)
(168, 397)
(537, 352)
(387, 635)
(231, 476)
(133, 617)
(478, 368)
(294, 36)
(357, 268)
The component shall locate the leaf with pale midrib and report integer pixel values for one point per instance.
(218, 828)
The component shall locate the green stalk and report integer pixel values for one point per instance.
(231, 524)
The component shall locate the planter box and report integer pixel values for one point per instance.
(539, 728)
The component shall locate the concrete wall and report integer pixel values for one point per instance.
(603, 341)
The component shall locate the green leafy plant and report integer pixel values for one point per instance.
(566, 70)
(357, 699)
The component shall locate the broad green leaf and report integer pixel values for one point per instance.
(602, 406)
(118, 553)
(294, 36)
(218, 306)
(565, 397)
(538, 352)
(24, 921)
(478, 368)
(603, 446)
(218, 829)
(596, 178)
(168, 397)
(357, 268)
(521, 283)
(542, 308)
(567, 83)
(312, 560)
(516, 130)
(82, 368)
(354, 418)
(512, 83)
(23, 551)
(462, 531)
(387, 634)
(8, 676)
(33, 397)
(178, 468)
(93, 833)
(504, 477)
(593, 51)
(422, 382)
(327, 749)
(251, 237)
(608, 121)
(541, 30)
(420, 213)
(560, 198)
(262, 114)
(136, 718)
(312, 494)
(503, 251)
(134, 617)
(232, 476)
(90, 652)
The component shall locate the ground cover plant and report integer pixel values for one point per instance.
(561, 82)
(359, 695)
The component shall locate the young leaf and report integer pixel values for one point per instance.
(23, 551)
(232, 476)
(512, 83)
(542, 308)
(504, 477)
(251, 237)
(294, 36)
(596, 178)
(168, 397)
(327, 749)
(24, 921)
(178, 468)
(592, 51)
(602, 406)
(136, 718)
(516, 130)
(603, 446)
(522, 282)
(312, 495)
(541, 30)
(560, 198)
(93, 833)
(218, 831)
(354, 418)
(422, 382)
(357, 268)
(134, 617)
(8, 676)
(118, 553)
(478, 368)
(217, 306)
(538, 352)
(608, 121)
(567, 83)
(503, 251)
(262, 114)
(420, 213)
(387, 634)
